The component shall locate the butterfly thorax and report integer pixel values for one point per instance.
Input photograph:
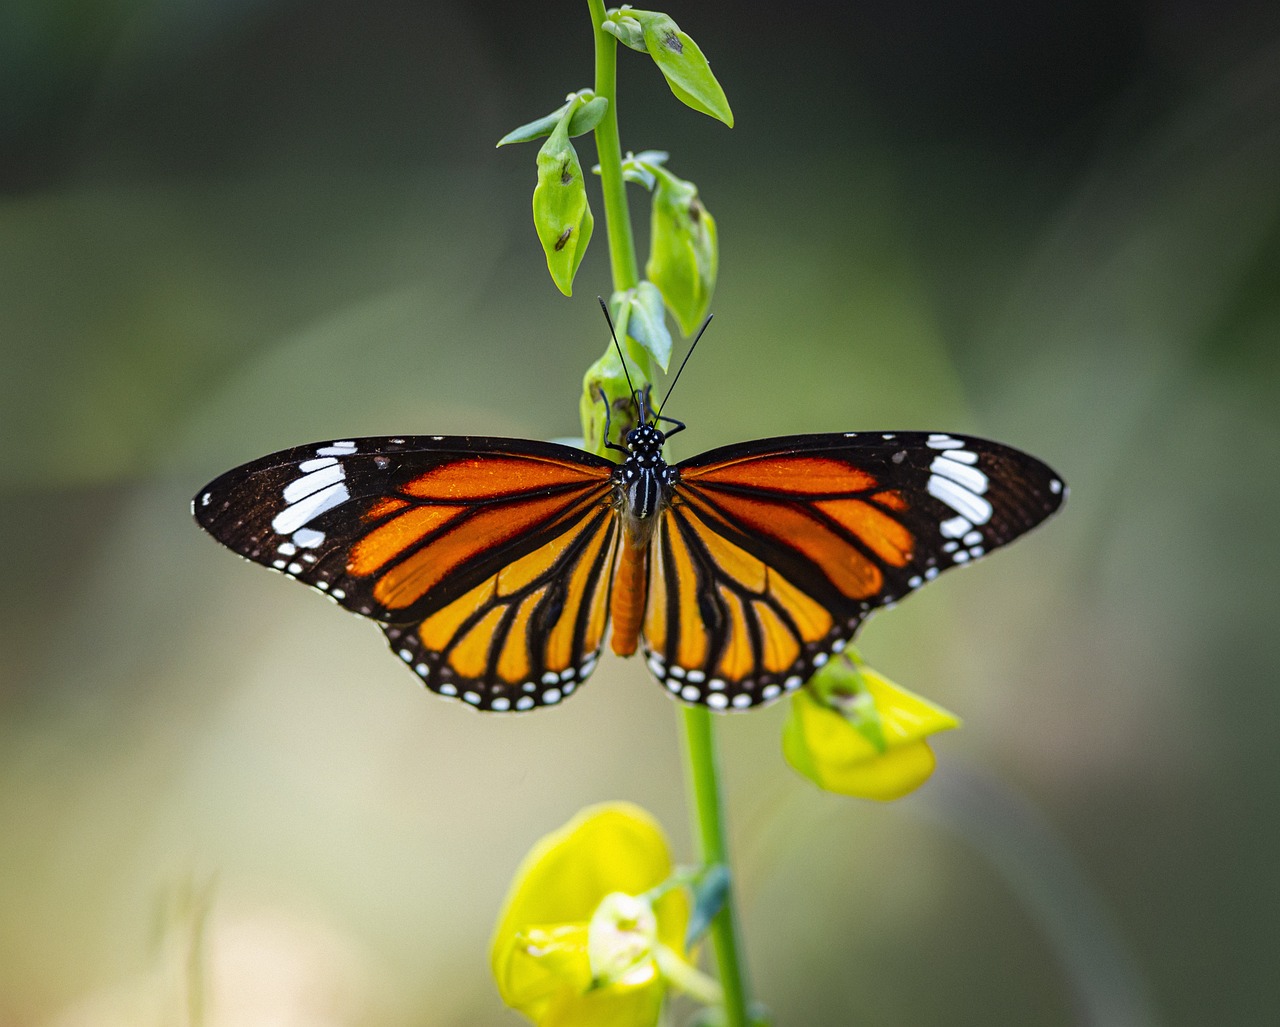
(643, 481)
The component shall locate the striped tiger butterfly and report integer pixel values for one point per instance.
(494, 566)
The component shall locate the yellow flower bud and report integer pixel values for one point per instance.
(854, 732)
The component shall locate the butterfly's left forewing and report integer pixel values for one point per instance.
(485, 560)
(772, 553)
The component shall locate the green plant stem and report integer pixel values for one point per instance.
(703, 769)
(617, 216)
(700, 744)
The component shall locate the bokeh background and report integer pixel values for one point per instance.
(229, 227)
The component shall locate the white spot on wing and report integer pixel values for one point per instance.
(938, 441)
(961, 500)
(305, 510)
(307, 538)
(963, 456)
(345, 448)
(955, 527)
(962, 474)
(307, 466)
(299, 488)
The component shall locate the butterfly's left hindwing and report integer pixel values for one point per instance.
(772, 553)
(485, 560)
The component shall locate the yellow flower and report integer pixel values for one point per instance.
(853, 731)
(586, 937)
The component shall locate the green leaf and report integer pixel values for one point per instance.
(681, 62)
(588, 112)
(647, 323)
(684, 251)
(561, 214)
(588, 116)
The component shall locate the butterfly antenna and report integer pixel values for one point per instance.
(621, 356)
(705, 325)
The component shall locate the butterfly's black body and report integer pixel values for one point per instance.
(644, 478)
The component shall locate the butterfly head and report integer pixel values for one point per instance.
(644, 445)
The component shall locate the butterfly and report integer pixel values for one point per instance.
(495, 566)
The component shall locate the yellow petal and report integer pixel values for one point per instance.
(606, 848)
(607, 1007)
(905, 716)
(541, 963)
(539, 949)
(826, 747)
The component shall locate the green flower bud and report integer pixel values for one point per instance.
(679, 59)
(561, 213)
(684, 255)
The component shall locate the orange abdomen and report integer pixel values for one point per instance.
(627, 601)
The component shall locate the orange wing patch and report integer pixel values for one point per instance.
(387, 541)
(586, 585)
(488, 527)
(810, 617)
(736, 657)
(887, 538)
(385, 506)
(683, 596)
(813, 475)
(490, 477)
(541, 618)
(796, 528)
(780, 649)
(470, 655)
(514, 661)
(750, 619)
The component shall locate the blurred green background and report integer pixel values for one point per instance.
(230, 227)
